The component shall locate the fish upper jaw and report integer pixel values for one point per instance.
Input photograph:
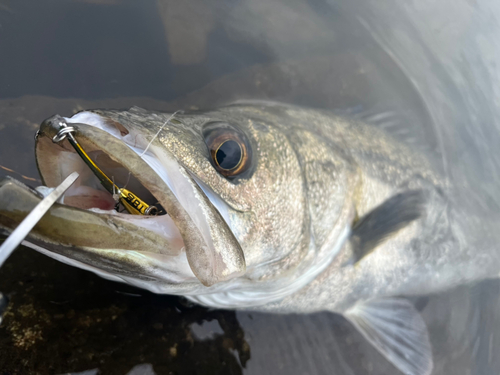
(192, 227)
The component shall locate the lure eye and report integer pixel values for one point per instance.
(229, 149)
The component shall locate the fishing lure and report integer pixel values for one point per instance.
(132, 203)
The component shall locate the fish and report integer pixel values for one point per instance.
(259, 206)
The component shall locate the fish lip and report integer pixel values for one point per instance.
(211, 260)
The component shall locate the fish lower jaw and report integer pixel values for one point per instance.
(88, 194)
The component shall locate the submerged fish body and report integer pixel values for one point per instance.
(262, 206)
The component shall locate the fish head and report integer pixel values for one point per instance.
(233, 195)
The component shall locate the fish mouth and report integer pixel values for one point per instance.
(192, 241)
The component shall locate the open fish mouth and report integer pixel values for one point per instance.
(184, 247)
(116, 160)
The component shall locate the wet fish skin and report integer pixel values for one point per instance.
(314, 173)
(278, 206)
(294, 211)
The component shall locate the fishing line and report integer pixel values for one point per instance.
(158, 132)
(152, 139)
(23, 176)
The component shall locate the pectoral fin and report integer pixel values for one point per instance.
(388, 218)
(396, 330)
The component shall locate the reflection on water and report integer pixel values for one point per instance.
(62, 56)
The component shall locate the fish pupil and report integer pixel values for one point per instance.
(228, 155)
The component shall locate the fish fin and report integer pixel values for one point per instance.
(396, 329)
(386, 219)
(389, 117)
(137, 109)
(386, 118)
(393, 118)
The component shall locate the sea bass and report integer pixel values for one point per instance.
(261, 206)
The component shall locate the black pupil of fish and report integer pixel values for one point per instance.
(228, 155)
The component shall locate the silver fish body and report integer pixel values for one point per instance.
(277, 236)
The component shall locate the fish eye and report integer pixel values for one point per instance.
(228, 155)
(229, 148)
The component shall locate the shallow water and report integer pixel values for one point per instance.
(430, 84)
